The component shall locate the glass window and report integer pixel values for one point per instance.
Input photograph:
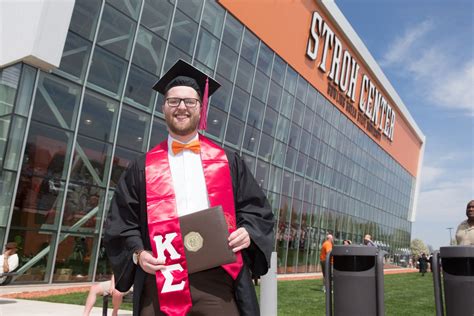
(221, 98)
(133, 129)
(107, 71)
(269, 123)
(274, 96)
(157, 16)
(305, 141)
(227, 64)
(27, 82)
(191, 8)
(265, 58)
(35, 244)
(83, 208)
(56, 101)
(290, 80)
(173, 54)
(274, 179)
(251, 139)
(232, 32)
(129, 7)
(260, 85)
(266, 146)
(213, 18)
(183, 33)
(159, 132)
(249, 47)
(278, 73)
(139, 87)
(42, 177)
(90, 162)
(207, 49)
(290, 158)
(287, 102)
(84, 18)
(71, 263)
(279, 151)
(308, 119)
(245, 75)
(255, 116)
(149, 51)
(122, 159)
(295, 132)
(15, 141)
(7, 179)
(301, 89)
(75, 56)
(240, 103)
(310, 168)
(216, 122)
(234, 133)
(283, 128)
(249, 162)
(9, 78)
(301, 163)
(98, 117)
(116, 32)
(261, 174)
(298, 112)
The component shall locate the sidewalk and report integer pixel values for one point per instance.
(11, 305)
(15, 307)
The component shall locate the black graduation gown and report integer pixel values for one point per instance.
(126, 230)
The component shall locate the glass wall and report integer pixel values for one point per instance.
(66, 137)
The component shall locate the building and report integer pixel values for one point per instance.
(302, 100)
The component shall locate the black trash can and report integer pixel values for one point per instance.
(457, 263)
(355, 286)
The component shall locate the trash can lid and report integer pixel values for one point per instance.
(457, 252)
(354, 250)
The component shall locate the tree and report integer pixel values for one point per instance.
(417, 247)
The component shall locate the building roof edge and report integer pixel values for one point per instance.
(335, 13)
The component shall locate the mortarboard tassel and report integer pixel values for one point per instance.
(205, 99)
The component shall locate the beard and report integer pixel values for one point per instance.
(182, 128)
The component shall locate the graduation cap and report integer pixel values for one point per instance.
(184, 74)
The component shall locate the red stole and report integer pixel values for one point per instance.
(163, 223)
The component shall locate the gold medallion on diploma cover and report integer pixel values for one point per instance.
(193, 241)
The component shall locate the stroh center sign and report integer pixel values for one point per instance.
(375, 113)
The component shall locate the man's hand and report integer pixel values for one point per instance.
(150, 264)
(239, 239)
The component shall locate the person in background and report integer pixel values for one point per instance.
(103, 289)
(368, 241)
(465, 231)
(347, 242)
(325, 249)
(423, 264)
(9, 260)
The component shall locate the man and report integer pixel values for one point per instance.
(368, 241)
(465, 231)
(9, 260)
(104, 288)
(325, 249)
(169, 182)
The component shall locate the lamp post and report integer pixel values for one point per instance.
(450, 238)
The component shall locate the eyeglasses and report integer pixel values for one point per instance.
(188, 102)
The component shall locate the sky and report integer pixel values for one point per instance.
(426, 50)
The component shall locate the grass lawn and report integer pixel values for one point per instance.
(405, 294)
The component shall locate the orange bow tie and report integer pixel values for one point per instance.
(194, 146)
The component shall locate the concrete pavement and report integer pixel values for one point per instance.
(16, 307)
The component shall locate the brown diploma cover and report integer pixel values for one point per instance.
(205, 241)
